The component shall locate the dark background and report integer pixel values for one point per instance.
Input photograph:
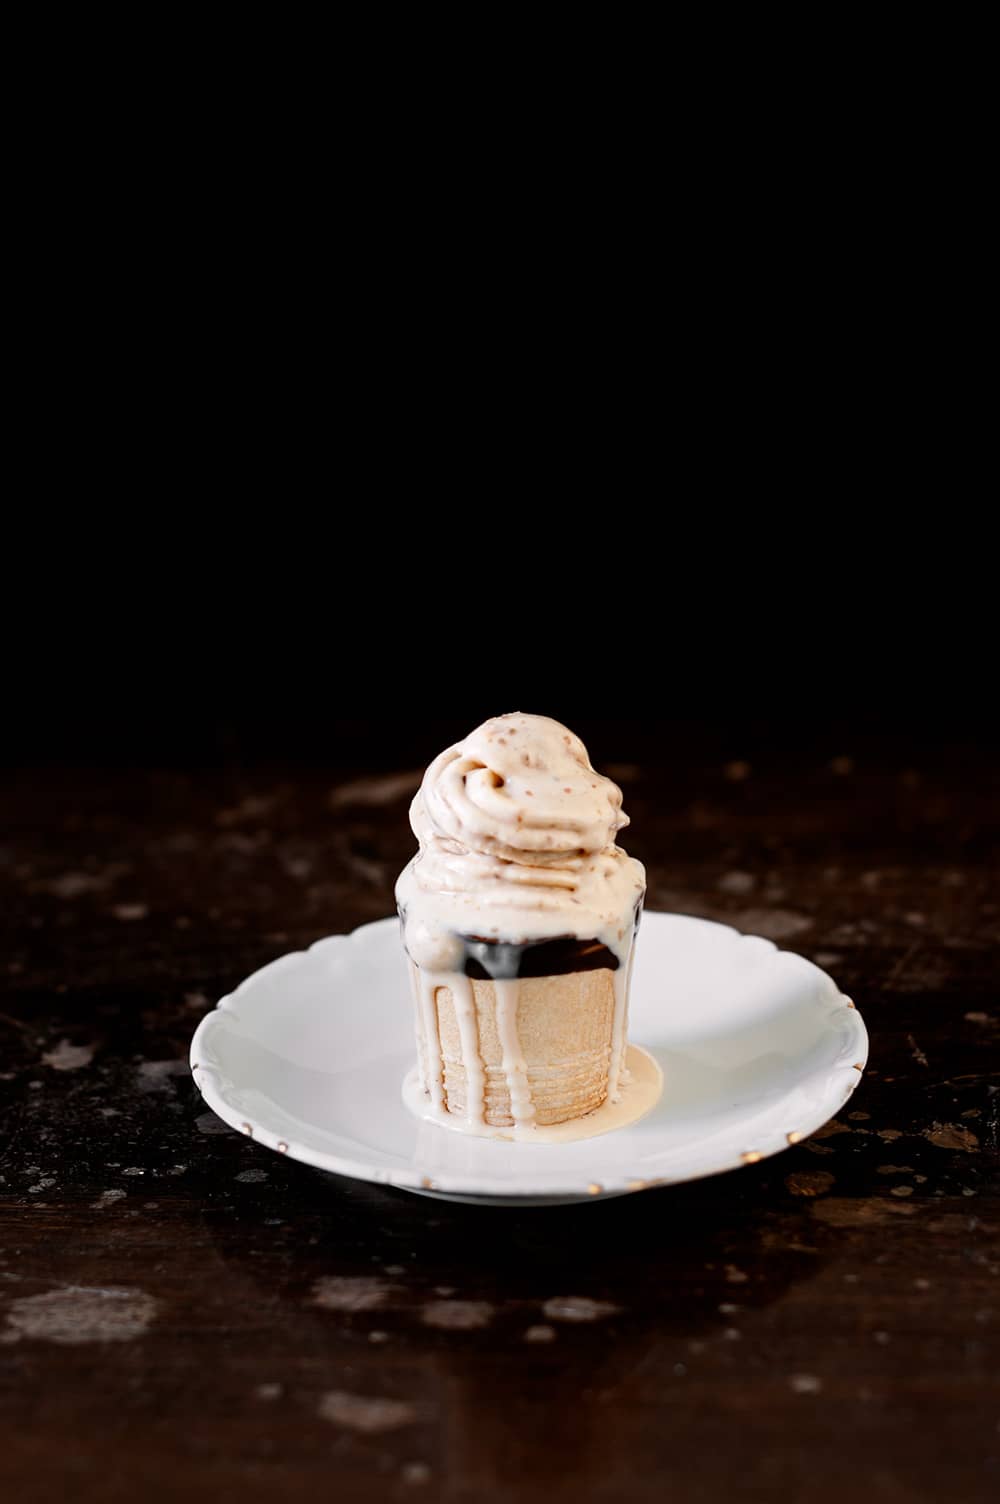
(237, 660)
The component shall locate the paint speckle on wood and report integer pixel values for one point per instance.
(830, 1129)
(345, 1292)
(578, 1308)
(156, 1075)
(773, 924)
(386, 789)
(916, 1051)
(809, 1182)
(844, 1211)
(457, 1315)
(77, 884)
(952, 1136)
(82, 1313)
(69, 1057)
(108, 1198)
(369, 1414)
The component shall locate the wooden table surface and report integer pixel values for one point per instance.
(184, 1315)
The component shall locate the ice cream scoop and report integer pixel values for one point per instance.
(519, 913)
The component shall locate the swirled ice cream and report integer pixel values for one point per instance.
(519, 914)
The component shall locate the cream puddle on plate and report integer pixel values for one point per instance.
(638, 1096)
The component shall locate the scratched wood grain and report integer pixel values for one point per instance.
(183, 1315)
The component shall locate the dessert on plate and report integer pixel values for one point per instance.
(519, 917)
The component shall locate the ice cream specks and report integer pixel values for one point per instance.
(517, 843)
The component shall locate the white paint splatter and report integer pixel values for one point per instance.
(345, 1292)
(252, 1177)
(578, 1308)
(373, 791)
(76, 884)
(805, 1383)
(128, 912)
(155, 1075)
(251, 807)
(773, 924)
(415, 1472)
(69, 1057)
(457, 1315)
(368, 1414)
(916, 1051)
(83, 1313)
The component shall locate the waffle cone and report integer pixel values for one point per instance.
(564, 1026)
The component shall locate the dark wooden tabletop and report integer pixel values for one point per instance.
(185, 1315)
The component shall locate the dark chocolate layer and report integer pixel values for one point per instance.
(501, 961)
(504, 961)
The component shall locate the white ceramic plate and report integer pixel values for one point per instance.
(758, 1049)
